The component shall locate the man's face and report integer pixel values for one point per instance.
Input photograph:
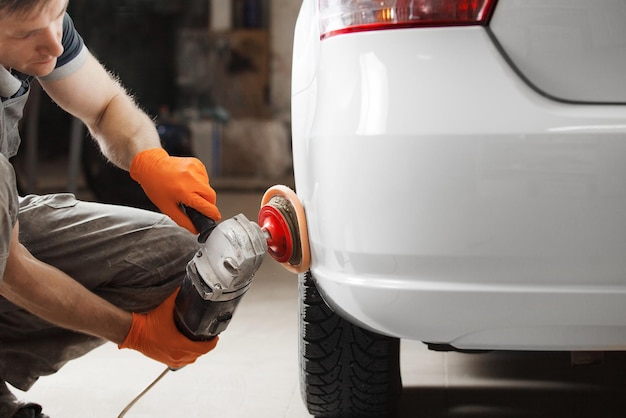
(30, 42)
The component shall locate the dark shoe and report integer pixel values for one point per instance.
(28, 410)
(10, 407)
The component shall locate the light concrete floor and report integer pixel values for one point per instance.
(254, 371)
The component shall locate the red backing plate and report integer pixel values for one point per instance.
(303, 237)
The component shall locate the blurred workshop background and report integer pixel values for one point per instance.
(215, 76)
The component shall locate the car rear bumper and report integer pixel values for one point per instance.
(448, 202)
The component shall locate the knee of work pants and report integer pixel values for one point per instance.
(8, 209)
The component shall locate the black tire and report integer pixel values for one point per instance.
(346, 371)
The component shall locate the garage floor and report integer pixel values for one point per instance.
(254, 371)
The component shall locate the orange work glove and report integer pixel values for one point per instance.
(169, 181)
(155, 335)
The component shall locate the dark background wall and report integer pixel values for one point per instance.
(137, 41)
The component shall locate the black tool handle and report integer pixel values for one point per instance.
(203, 224)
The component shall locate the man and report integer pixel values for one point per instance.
(76, 274)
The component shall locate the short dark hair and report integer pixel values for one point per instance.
(10, 7)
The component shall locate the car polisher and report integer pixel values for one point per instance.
(218, 275)
(222, 270)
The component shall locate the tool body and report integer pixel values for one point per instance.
(218, 276)
(232, 251)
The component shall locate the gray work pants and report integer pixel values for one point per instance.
(130, 257)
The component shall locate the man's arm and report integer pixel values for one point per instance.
(91, 94)
(52, 295)
(130, 140)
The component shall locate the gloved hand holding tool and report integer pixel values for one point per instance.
(155, 335)
(171, 181)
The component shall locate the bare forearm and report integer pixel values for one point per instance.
(120, 142)
(54, 296)
(121, 128)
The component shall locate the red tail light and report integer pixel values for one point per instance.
(343, 16)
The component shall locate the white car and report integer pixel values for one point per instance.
(462, 165)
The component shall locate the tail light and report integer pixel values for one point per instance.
(344, 16)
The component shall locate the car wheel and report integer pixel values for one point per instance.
(346, 371)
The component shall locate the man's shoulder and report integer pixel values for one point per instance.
(74, 52)
(72, 42)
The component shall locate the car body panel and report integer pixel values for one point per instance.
(573, 50)
(448, 201)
